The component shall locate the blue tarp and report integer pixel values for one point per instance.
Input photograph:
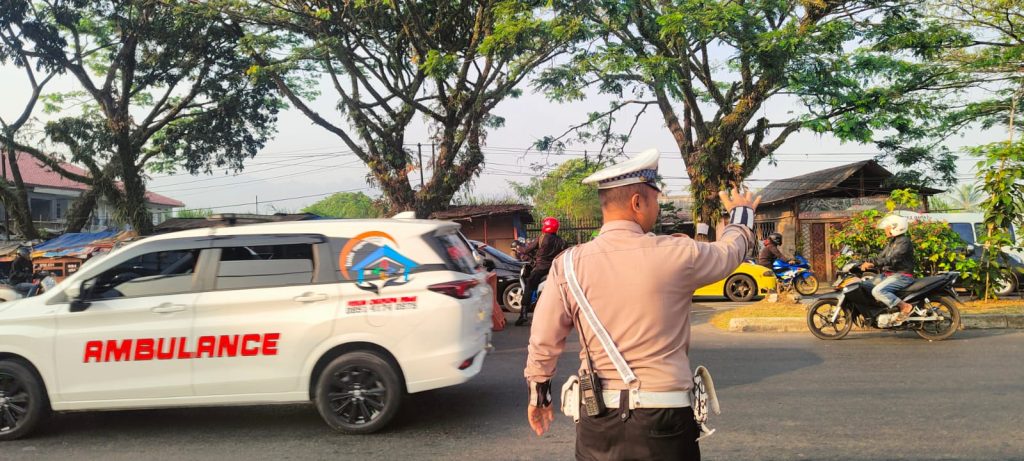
(70, 241)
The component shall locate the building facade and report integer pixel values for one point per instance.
(51, 195)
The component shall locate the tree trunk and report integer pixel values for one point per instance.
(81, 210)
(16, 202)
(711, 170)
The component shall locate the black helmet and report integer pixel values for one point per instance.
(24, 252)
(775, 238)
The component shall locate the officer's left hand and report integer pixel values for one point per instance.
(540, 418)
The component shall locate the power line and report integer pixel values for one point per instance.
(276, 200)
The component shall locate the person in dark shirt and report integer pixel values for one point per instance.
(772, 251)
(543, 252)
(21, 271)
(897, 264)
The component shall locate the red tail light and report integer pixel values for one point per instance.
(458, 289)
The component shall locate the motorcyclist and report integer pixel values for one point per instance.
(897, 263)
(772, 250)
(21, 271)
(543, 252)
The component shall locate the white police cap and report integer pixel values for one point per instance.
(642, 169)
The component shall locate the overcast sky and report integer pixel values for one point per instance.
(304, 162)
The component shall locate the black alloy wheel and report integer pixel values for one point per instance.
(23, 403)
(358, 393)
(740, 288)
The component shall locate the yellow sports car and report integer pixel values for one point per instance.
(743, 284)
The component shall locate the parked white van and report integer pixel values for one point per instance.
(971, 228)
(348, 314)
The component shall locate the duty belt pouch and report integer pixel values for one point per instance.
(705, 400)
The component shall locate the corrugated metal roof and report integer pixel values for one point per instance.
(478, 211)
(845, 179)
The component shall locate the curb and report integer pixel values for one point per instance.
(797, 325)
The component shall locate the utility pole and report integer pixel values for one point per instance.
(433, 160)
(257, 204)
(7, 222)
(419, 149)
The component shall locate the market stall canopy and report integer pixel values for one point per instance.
(80, 245)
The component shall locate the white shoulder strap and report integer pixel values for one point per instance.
(588, 312)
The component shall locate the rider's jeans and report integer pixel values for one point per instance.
(24, 288)
(885, 291)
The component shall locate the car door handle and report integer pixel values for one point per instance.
(167, 308)
(310, 297)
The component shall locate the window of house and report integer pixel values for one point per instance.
(244, 267)
(763, 229)
(151, 274)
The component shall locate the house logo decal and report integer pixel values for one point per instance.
(372, 260)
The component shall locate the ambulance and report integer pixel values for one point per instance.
(347, 314)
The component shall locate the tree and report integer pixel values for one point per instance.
(990, 57)
(561, 193)
(449, 62)
(849, 64)
(964, 198)
(345, 205)
(163, 85)
(38, 73)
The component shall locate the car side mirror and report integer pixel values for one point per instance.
(489, 265)
(970, 249)
(74, 293)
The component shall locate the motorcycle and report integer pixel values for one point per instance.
(515, 298)
(935, 315)
(796, 275)
(41, 282)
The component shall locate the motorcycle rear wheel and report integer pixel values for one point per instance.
(819, 320)
(806, 285)
(942, 329)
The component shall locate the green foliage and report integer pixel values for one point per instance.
(196, 213)
(345, 205)
(905, 199)
(161, 85)
(392, 63)
(711, 67)
(1002, 179)
(937, 247)
(561, 194)
(965, 198)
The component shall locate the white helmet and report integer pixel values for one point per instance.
(896, 224)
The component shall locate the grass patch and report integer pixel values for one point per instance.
(1001, 306)
(760, 309)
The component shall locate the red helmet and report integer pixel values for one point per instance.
(549, 225)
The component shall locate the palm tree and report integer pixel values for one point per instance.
(964, 198)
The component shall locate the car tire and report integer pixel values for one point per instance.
(23, 401)
(359, 393)
(1007, 286)
(740, 288)
(512, 298)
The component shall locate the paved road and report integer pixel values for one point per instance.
(873, 396)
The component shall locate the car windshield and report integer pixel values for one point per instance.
(494, 252)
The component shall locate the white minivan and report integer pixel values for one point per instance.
(348, 314)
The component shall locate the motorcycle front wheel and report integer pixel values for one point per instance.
(806, 285)
(819, 320)
(944, 307)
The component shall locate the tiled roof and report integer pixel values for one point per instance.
(35, 174)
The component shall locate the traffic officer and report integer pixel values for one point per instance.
(640, 286)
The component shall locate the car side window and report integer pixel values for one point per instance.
(244, 267)
(964, 230)
(151, 274)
